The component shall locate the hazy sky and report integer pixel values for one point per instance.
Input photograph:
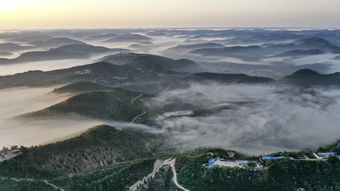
(168, 13)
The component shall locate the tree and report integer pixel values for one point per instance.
(333, 160)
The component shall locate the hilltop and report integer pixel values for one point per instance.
(109, 105)
(307, 77)
(56, 42)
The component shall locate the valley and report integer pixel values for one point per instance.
(170, 109)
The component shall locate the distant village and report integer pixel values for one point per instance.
(261, 162)
(9, 153)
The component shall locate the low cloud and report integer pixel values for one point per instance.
(259, 119)
(18, 101)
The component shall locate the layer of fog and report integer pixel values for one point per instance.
(18, 101)
(276, 64)
(158, 45)
(326, 59)
(38, 132)
(259, 119)
(47, 65)
(161, 43)
(28, 132)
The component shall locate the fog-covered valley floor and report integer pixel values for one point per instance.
(234, 88)
(252, 118)
(18, 101)
(18, 130)
(46, 65)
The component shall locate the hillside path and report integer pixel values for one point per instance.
(32, 180)
(157, 166)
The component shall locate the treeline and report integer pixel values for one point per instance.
(111, 178)
(282, 176)
(114, 178)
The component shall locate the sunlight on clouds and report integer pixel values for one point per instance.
(8, 6)
(11, 5)
(166, 13)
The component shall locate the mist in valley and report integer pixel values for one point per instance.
(18, 101)
(250, 118)
(255, 119)
(48, 65)
(18, 130)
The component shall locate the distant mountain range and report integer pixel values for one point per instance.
(242, 52)
(301, 53)
(56, 42)
(25, 36)
(227, 78)
(73, 51)
(312, 78)
(183, 49)
(9, 47)
(123, 69)
(5, 53)
(130, 38)
(309, 46)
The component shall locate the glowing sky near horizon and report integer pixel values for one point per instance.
(19, 14)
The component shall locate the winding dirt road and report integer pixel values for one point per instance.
(157, 166)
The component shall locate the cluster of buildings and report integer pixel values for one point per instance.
(175, 114)
(258, 165)
(302, 156)
(7, 154)
(233, 163)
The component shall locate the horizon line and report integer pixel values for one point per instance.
(187, 28)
